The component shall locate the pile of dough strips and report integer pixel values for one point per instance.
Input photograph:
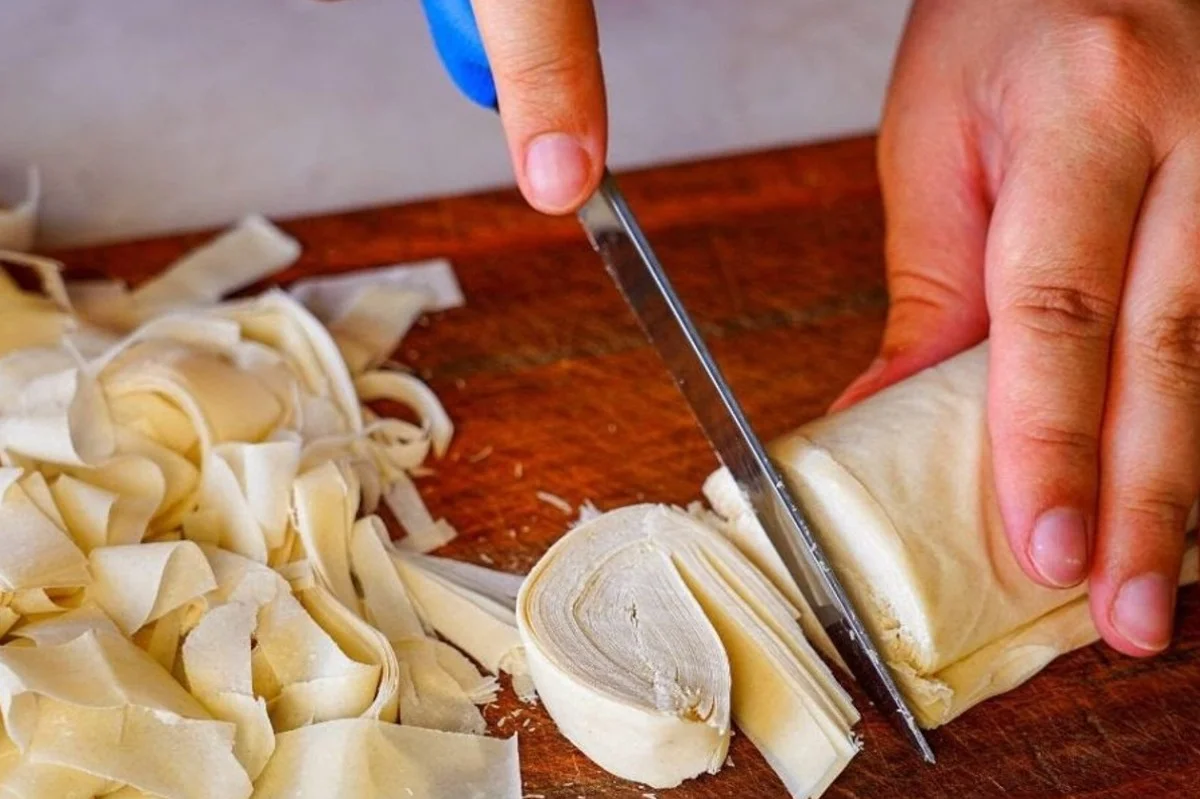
(196, 598)
(198, 601)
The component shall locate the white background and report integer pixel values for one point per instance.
(148, 116)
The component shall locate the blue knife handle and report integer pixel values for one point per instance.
(459, 45)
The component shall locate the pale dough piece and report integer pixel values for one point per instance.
(216, 660)
(21, 778)
(181, 479)
(422, 533)
(65, 704)
(325, 502)
(37, 552)
(481, 626)
(277, 321)
(110, 504)
(66, 627)
(433, 692)
(410, 391)
(161, 638)
(243, 254)
(330, 296)
(386, 601)
(372, 323)
(173, 758)
(59, 415)
(367, 759)
(151, 416)
(18, 223)
(9, 616)
(252, 249)
(498, 586)
(221, 401)
(358, 639)
(309, 662)
(32, 319)
(368, 313)
(264, 473)
(38, 601)
(53, 291)
(22, 328)
(437, 687)
(303, 673)
(138, 583)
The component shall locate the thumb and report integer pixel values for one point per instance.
(936, 212)
(545, 59)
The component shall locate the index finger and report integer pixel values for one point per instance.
(545, 59)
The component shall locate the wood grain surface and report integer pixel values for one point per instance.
(553, 388)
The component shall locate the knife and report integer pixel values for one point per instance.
(615, 234)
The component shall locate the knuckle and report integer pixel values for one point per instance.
(1063, 311)
(1157, 505)
(1078, 444)
(1167, 351)
(924, 288)
(541, 67)
(908, 306)
(904, 321)
(1098, 69)
(1106, 51)
(916, 299)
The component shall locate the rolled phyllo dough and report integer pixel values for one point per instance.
(647, 632)
(900, 490)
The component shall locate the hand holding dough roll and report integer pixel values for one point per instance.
(899, 488)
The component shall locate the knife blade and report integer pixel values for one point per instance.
(617, 237)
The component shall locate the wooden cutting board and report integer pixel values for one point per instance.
(553, 388)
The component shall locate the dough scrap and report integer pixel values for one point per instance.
(368, 759)
(18, 223)
(136, 584)
(97, 704)
(251, 250)
(37, 551)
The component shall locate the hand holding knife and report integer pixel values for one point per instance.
(616, 236)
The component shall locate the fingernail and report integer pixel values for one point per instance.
(1143, 609)
(557, 169)
(1059, 547)
(854, 391)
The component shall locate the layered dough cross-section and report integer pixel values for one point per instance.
(646, 632)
